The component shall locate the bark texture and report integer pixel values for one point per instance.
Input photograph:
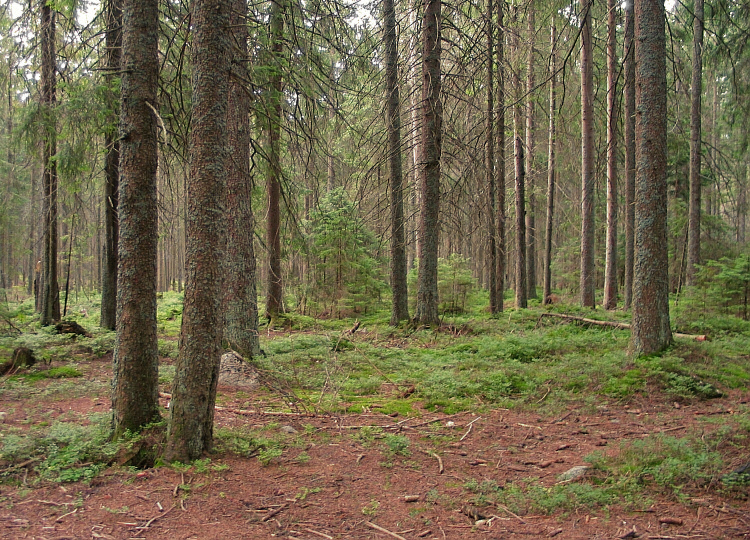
(432, 128)
(111, 172)
(629, 122)
(500, 171)
(490, 157)
(650, 330)
(520, 181)
(197, 368)
(588, 277)
(240, 290)
(610, 268)
(400, 303)
(530, 169)
(696, 89)
(550, 169)
(136, 363)
(274, 298)
(50, 308)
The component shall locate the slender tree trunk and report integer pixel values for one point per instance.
(111, 171)
(629, 121)
(550, 169)
(432, 119)
(696, 90)
(650, 330)
(520, 176)
(50, 311)
(400, 304)
(490, 167)
(135, 400)
(274, 298)
(240, 291)
(500, 171)
(530, 169)
(588, 281)
(197, 368)
(610, 272)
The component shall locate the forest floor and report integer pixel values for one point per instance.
(493, 474)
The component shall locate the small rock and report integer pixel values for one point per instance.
(3, 416)
(576, 473)
(287, 429)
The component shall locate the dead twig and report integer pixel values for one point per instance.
(273, 513)
(384, 531)
(441, 469)
(501, 507)
(317, 533)
(59, 520)
(471, 424)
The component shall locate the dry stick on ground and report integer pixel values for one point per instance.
(441, 469)
(273, 513)
(471, 424)
(611, 324)
(159, 516)
(317, 533)
(384, 531)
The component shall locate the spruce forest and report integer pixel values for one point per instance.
(339, 269)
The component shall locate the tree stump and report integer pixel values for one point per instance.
(22, 357)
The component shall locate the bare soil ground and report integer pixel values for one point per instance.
(336, 485)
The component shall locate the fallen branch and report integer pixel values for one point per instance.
(274, 512)
(471, 424)
(612, 324)
(317, 533)
(384, 531)
(158, 516)
(441, 469)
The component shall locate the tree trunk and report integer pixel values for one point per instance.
(651, 331)
(197, 367)
(400, 304)
(50, 311)
(588, 278)
(696, 90)
(240, 291)
(274, 298)
(530, 169)
(629, 121)
(500, 172)
(432, 119)
(111, 171)
(550, 169)
(490, 154)
(520, 176)
(135, 400)
(610, 272)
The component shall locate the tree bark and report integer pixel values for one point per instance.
(629, 121)
(274, 298)
(588, 281)
(400, 300)
(696, 90)
(50, 309)
(610, 269)
(136, 362)
(530, 169)
(520, 179)
(650, 331)
(111, 171)
(490, 156)
(197, 367)
(550, 169)
(500, 171)
(432, 119)
(240, 290)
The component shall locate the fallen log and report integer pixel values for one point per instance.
(612, 324)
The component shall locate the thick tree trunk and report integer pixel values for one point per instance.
(588, 281)
(696, 90)
(135, 400)
(500, 171)
(400, 303)
(111, 172)
(530, 169)
(240, 291)
(432, 119)
(610, 271)
(274, 298)
(629, 121)
(550, 169)
(50, 309)
(651, 331)
(197, 368)
(490, 154)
